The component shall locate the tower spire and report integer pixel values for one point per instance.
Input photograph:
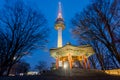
(59, 10)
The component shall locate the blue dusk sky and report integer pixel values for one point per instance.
(50, 9)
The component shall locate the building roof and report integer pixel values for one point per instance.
(73, 50)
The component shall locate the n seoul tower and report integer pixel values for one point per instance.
(59, 25)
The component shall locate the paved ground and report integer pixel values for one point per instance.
(59, 78)
(75, 74)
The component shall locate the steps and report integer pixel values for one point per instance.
(75, 72)
(83, 72)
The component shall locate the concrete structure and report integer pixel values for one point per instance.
(113, 72)
(68, 56)
(59, 25)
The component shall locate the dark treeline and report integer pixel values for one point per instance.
(22, 68)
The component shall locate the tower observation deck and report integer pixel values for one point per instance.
(59, 25)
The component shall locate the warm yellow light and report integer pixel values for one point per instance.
(65, 66)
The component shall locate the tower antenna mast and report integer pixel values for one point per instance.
(59, 10)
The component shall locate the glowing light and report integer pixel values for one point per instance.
(14, 58)
(60, 10)
(60, 37)
(65, 66)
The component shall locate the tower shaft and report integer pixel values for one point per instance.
(59, 25)
(59, 44)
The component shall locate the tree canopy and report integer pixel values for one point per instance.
(99, 25)
(22, 29)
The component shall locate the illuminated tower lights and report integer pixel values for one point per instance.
(59, 25)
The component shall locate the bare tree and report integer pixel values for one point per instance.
(100, 22)
(22, 29)
(42, 65)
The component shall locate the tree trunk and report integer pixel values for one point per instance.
(93, 63)
(8, 70)
(100, 60)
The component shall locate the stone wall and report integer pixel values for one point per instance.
(113, 72)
